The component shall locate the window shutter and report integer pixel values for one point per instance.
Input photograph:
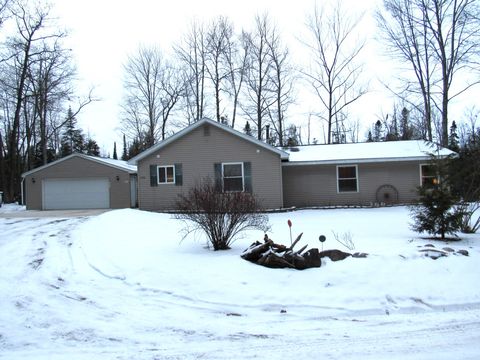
(178, 175)
(153, 175)
(247, 176)
(218, 176)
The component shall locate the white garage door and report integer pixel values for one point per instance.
(76, 194)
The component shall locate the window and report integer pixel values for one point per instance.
(347, 180)
(232, 174)
(428, 175)
(166, 174)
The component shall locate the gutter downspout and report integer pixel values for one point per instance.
(21, 191)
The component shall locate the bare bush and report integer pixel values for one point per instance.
(222, 216)
(470, 220)
(346, 239)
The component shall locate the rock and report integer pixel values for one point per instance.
(462, 252)
(334, 255)
(433, 253)
(429, 245)
(359, 255)
(448, 249)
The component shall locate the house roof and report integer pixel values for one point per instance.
(116, 164)
(364, 152)
(188, 129)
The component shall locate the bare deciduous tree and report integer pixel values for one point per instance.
(335, 70)
(281, 79)
(218, 43)
(236, 56)
(153, 88)
(191, 54)
(259, 95)
(439, 39)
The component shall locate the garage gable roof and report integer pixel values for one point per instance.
(116, 164)
(188, 129)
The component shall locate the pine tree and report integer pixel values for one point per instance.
(247, 129)
(73, 139)
(115, 157)
(436, 213)
(91, 148)
(377, 131)
(124, 153)
(453, 138)
(369, 136)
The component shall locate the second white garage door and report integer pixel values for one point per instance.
(61, 194)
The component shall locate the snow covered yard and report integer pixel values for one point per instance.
(122, 285)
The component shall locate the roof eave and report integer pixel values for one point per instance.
(134, 161)
(83, 156)
(355, 161)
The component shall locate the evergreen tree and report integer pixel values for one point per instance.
(407, 131)
(377, 131)
(135, 148)
(369, 136)
(453, 138)
(115, 156)
(436, 213)
(124, 153)
(91, 148)
(73, 139)
(247, 129)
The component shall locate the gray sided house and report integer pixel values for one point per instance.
(304, 176)
(209, 150)
(358, 174)
(79, 181)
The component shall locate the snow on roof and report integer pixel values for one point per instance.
(365, 152)
(118, 163)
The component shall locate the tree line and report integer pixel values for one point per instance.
(37, 95)
(231, 74)
(221, 73)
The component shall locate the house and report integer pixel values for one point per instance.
(80, 181)
(314, 175)
(208, 149)
(302, 176)
(357, 174)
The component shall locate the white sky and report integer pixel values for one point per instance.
(104, 32)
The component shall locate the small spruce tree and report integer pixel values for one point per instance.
(436, 213)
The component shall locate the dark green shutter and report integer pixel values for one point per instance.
(247, 176)
(218, 176)
(153, 175)
(178, 175)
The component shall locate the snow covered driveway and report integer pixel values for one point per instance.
(122, 285)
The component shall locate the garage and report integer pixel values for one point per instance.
(76, 194)
(80, 181)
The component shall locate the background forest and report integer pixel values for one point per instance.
(247, 79)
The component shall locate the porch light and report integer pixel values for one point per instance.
(33, 180)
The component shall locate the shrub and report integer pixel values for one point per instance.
(222, 216)
(436, 214)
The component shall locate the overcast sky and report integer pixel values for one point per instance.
(104, 32)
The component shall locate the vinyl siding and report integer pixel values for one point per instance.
(79, 168)
(316, 185)
(198, 151)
